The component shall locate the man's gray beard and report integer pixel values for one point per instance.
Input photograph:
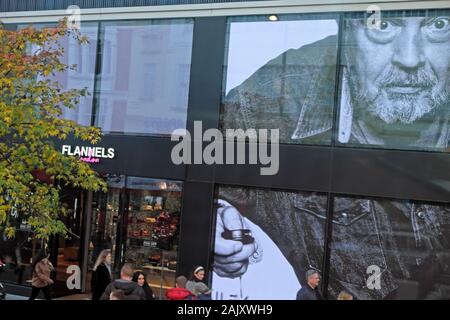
(399, 108)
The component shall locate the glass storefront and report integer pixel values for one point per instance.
(138, 220)
(106, 212)
(153, 229)
(16, 256)
(65, 252)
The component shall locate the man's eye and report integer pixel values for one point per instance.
(384, 32)
(438, 29)
(384, 25)
(440, 24)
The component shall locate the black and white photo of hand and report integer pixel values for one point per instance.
(231, 257)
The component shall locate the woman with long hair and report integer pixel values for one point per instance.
(101, 275)
(41, 280)
(197, 286)
(141, 280)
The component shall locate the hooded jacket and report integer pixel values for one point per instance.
(131, 290)
(179, 294)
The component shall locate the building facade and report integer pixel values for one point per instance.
(361, 101)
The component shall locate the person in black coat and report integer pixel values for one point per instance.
(101, 277)
(140, 278)
(311, 290)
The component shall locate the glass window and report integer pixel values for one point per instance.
(265, 241)
(83, 57)
(66, 251)
(16, 255)
(281, 75)
(152, 226)
(138, 221)
(390, 249)
(104, 224)
(145, 76)
(395, 90)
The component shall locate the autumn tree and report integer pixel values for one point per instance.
(31, 108)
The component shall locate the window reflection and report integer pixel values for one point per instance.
(83, 56)
(142, 89)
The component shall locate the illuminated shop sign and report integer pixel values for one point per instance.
(88, 154)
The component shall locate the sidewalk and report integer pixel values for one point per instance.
(14, 297)
(72, 297)
(81, 296)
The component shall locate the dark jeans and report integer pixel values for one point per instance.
(35, 292)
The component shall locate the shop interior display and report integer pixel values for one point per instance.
(152, 235)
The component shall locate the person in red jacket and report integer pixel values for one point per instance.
(179, 292)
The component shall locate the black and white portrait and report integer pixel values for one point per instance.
(396, 82)
(386, 86)
(393, 84)
(407, 243)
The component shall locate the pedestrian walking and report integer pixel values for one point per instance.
(41, 281)
(101, 275)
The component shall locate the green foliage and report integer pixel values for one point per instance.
(30, 108)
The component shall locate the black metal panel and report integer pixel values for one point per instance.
(327, 249)
(35, 5)
(206, 80)
(137, 156)
(206, 72)
(204, 105)
(394, 174)
(300, 168)
(196, 227)
(381, 173)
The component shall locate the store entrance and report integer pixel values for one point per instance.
(152, 230)
(65, 251)
(138, 220)
(105, 223)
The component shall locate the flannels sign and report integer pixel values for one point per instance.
(88, 154)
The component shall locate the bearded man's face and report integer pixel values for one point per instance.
(400, 71)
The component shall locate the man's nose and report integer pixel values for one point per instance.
(408, 51)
